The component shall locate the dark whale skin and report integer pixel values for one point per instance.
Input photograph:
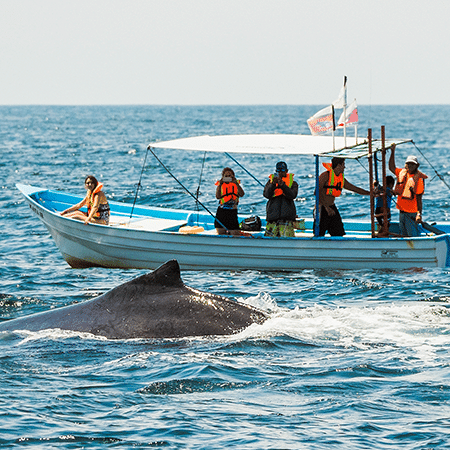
(154, 305)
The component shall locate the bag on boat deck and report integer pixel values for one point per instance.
(252, 223)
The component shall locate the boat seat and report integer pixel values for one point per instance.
(147, 224)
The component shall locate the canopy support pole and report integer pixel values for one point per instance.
(317, 210)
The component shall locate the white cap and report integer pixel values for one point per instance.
(412, 159)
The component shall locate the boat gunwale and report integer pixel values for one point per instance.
(256, 235)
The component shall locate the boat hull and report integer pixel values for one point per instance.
(126, 247)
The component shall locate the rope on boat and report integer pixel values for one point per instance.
(242, 167)
(197, 193)
(362, 165)
(138, 185)
(186, 189)
(437, 174)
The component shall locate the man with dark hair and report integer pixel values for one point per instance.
(331, 183)
(281, 190)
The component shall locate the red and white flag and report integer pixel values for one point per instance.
(322, 121)
(351, 116)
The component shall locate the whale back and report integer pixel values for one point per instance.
(154, 305)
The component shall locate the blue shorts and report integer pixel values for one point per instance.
(408, 225)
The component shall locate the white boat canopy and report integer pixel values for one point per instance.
(282, 144)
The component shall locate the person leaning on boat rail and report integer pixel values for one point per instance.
(280, 190)
(228, 192)
(331, 183)
(95, 201)
(409, 189)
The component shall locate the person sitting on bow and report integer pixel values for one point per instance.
(95, 201)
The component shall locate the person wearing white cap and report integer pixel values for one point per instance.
(409, 188)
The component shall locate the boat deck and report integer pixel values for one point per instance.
(147, 224)
(173, 226)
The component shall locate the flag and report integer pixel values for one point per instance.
(322, 121)
(351, 115)
(342, 99)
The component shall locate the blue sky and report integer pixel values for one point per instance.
(223, 52)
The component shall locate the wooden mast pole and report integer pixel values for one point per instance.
(385, 229)
(372, 211)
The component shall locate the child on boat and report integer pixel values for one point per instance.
(384, 194)
(95, 201)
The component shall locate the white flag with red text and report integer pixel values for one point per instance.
(322, 121)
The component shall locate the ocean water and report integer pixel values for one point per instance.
(348, 359)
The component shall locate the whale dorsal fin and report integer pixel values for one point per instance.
(166, 275)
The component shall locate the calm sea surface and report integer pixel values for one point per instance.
(348, 359)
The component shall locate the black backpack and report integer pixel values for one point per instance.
(252, 223)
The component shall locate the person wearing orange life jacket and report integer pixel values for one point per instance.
(280, 190)
(331, 183)
(228, 192)
(95, 201)
(409, 189)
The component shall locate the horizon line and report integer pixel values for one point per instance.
(215, 104)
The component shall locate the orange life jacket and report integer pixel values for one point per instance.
(228, 191)
(335, 182)
(288, 181)
(91, 199)
(407, 184)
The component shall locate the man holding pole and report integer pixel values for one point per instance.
(409, 188)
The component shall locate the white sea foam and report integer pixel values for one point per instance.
(415, 325)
